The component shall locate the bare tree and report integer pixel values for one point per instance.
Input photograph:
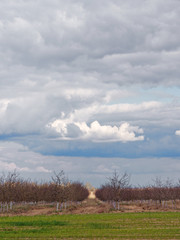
(59, 178)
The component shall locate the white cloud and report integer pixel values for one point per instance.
(42, 169)
(125, 107)
(26, 161)
(100, 109)
(3, 105)
(82, 93)
(11, 166)
(70, 130)
(177, 132)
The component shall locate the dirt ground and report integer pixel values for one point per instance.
(92, 195)
(90, 206)
(93, 205)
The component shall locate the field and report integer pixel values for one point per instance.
(161, 225)
(92, 219)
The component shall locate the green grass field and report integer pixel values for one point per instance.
(93, 226)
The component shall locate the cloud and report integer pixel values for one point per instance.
(3, 106)
(93, 69)
(110, 42)
(91, 169)
(177, 132)
(23, 162)
(95, 132)
(110, 109)
(11, 166)
(42, 170)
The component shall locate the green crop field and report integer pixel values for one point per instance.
(93, 226)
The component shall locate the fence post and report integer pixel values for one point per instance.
(57, 206)
(11, 205)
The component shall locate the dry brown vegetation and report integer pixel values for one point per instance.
(117, 192)
(60, 196)
(17, 194)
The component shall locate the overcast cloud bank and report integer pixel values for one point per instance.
(90, 79)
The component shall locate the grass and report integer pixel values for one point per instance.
(93, 226)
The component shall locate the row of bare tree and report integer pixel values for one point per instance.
(15, 189)
(118, 189)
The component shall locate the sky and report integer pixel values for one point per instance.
(90, 87)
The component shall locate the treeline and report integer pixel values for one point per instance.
(118, 190)
(14, 189)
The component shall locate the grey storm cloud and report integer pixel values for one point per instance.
(122, 42)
